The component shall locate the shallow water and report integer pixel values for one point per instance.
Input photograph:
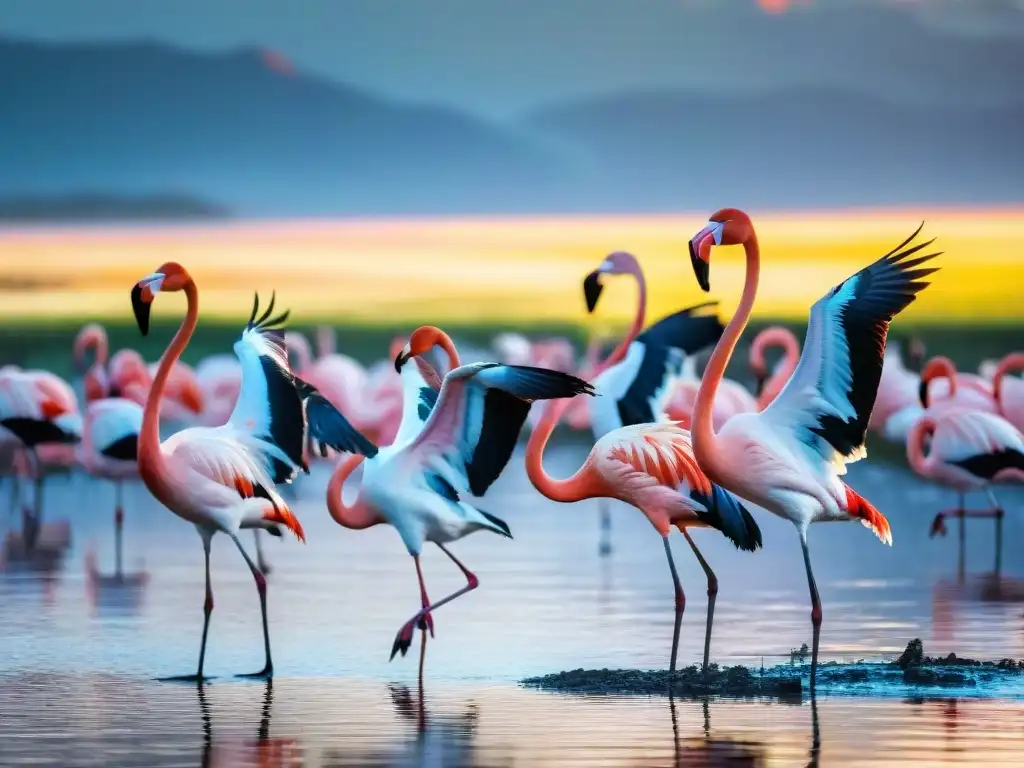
(78, 659)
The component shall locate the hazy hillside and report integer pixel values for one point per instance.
(243, 130)
(798, 147)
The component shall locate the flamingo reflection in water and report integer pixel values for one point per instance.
(263, 751)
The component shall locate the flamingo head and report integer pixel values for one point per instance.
(727, 226)
(421, 340)
(170, 277)
(617, 263)
(937, 368)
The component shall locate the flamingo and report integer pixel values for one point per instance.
(38, 413)
(222, 479)
(651, 467)
(1008, 391)
(635, 380)
(790, 457)
(463, 445)
(109, 450)
(768, 388)
(969, 450)
(959, 390)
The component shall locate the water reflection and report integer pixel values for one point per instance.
(261, 752)
(717, 752)
(114, 594)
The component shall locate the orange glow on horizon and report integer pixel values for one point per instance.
(507, 271)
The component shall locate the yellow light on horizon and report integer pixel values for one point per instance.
(506, 270)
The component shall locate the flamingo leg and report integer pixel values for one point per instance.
(261, 561)
(427, 621)
(261, 587)
(404, 638)
(207, 610)
(712, 594)
(604, 547)
(118, 528)
(680, 606)
(997, 512)
(962, 544)
(815, 607)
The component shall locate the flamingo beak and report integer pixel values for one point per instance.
(142, 299)
(592, 289)
(402, 357)
(922, 393)
(700, 252)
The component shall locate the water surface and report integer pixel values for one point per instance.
(79, 658)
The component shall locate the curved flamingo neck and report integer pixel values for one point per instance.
(1009, 364)
(705, 443)
(916, 457)
(151, 463)
(638, 325)
(940, 368)
(444, 341)
(570, 489)
(93, 337)
(359, 515)
(775, 337)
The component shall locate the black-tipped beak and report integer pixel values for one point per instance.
(141, 308)
(922, 393)
(400, 361)
(592, 288)
(759, 382)
(701, 268)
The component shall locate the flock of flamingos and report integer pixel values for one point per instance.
(687, 451)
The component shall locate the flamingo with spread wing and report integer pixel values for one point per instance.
(790, 457)
(223, 479)
(461, 447)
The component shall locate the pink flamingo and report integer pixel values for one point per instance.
(773, 336)
(466, 441)
(109, 450)
(651, 467)
(967, 450)
(790, 457)
(38, 415)
(954, 390)
(634, 382)
(223, 479)
(1008, 391)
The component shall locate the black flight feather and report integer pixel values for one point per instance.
(880, 292)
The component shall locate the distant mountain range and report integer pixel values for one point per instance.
(807, 147)
(244, 131)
